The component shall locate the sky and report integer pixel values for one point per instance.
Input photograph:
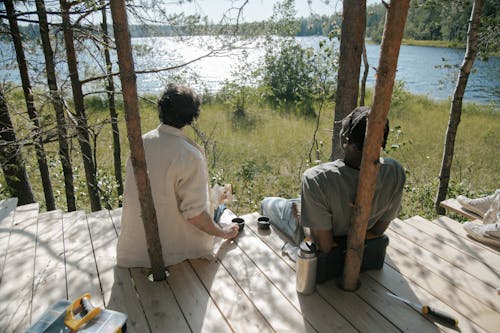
(257, 10)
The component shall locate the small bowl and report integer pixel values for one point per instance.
(263, 222)
(240, 222)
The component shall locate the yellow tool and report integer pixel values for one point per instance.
(427, 310)
(83, 307)
(79, 316)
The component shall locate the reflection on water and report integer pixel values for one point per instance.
(429, 71)
(433, 71)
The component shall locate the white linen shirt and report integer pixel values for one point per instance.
(179, 183)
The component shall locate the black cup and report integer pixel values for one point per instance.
(240, 222)
(263, 222)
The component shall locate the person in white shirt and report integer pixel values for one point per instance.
(179, 183)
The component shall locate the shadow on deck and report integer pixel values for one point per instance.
(249, 286)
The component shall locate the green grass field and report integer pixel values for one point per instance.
(265, 152)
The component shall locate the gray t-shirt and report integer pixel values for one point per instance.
(329, 192)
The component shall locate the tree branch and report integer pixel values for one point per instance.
(156, 70)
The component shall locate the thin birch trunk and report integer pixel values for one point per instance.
(456, 105)
(370, 163)
(365, 77)
(58, 103)
(12, 162)
(133, 120)
(110, 90)
(30, 105)
(81, 119)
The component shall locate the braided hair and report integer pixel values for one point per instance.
(354, 127)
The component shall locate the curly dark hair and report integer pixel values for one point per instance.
(178, 106)
(354, 127)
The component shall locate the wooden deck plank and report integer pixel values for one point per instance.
(350, 305)
(236, 307)
(194, 300)
(453, 228)
(461, 259)
(453, 205)
(404, 317)
(49, 283)
(117, 287)
(159, 303)
(7, 206)
(157, 299)
(455, 236)
(320, 314)
(116, 216)
(469, 284)
(278, 311)
(17, 279)
(7, 211)
(442, 289)
(401, 286)
(81, 268)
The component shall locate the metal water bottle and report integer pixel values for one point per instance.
(307, 263)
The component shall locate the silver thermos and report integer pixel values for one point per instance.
(307, 263)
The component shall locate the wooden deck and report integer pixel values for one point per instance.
(250, 287)
(453, 205)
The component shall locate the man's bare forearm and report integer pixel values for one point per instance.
(379, 227)
(205, 223)
(324, 239)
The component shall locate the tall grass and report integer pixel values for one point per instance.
(264, 152)
(268, 158)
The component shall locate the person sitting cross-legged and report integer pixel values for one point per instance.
(179, 184)
(329, 191)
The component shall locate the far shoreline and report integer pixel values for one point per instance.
(430, 43)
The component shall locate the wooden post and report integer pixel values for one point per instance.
(133, 120)
(389, 52)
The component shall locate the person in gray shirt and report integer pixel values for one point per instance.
(329, 191)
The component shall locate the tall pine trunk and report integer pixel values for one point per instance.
(11, 159)
(110, 89)
(30, 105)
(456, 104)
(133, 120)
(81, 119)
(351, 47)
(370, 163)
(58, 103)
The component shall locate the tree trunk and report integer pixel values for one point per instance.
(81, 118)
(30, 104)
(456, 104)
(110, 89)
(351, 47)
(365, 77)
(133, 120)
(391, 42)
(12, 163)
(58, 104)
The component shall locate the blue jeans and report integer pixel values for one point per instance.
(279, 211)
(218, 212)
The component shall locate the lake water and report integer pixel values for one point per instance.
(428, 71)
